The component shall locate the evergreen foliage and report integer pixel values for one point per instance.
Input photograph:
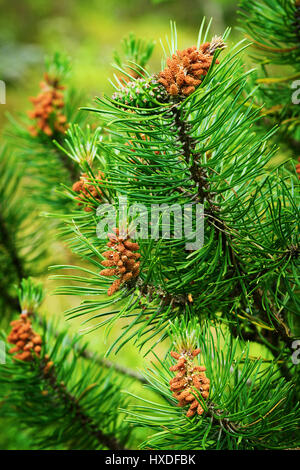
(64, 402)
(248, 403)
(22, 242)
(189, 136)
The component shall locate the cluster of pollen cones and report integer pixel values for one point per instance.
(88, 190)
(121, 261)
(188, 378)
(27, 342)
(185, 69)
(48, 106)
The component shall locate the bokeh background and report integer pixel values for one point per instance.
(89, 32)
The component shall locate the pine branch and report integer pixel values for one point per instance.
(203, 194)
(153, 153)
(85, 405)
(242, 408)
(74, 408)
(183, 135)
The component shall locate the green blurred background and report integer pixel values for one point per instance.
(89, 32)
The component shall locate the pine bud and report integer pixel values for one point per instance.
(141, 93)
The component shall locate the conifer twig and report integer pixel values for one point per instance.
(188, 146)
(72, 403)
